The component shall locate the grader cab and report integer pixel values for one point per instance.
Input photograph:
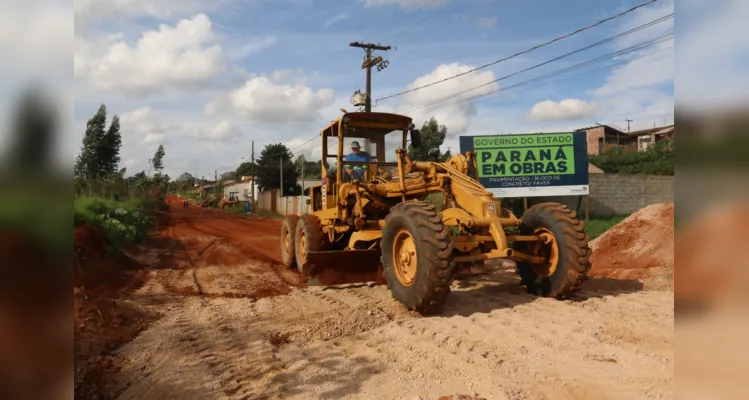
(375, 225)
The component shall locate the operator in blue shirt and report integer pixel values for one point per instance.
(357, 171)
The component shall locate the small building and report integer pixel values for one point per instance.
(601, 138)
(604, 137)
(648, 137)
(243, 189)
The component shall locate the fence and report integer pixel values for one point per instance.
(270, 200)
(610, 195)
(618, 194)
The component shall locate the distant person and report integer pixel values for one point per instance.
(356, 155)
(247, 207)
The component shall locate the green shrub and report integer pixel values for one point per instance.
(656, 160)
(121, 223)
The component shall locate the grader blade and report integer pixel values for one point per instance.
(343, 266)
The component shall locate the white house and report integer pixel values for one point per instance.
(243, 189)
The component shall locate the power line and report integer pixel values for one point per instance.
(522, 52)
(544, 77)
(609, 56)
(596, 60)
(293, 148)
(612, 38)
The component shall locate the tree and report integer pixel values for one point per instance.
(111, 149)
(226, 176)
(158, 159)
(432, 137)
(185, 182)
(311, 168)
(245, 169)
(269, 171)
(100, 152)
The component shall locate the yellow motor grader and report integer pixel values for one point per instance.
(375, 225)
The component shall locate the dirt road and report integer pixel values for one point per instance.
(234, 324)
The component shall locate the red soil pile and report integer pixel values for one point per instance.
(101, 322)
(640, 247)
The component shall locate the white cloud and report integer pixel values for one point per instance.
(224, 131)
(339, 17)
(565, 110)
(143, 127)
(274, 98)
(183, 56)
(86, 11)
(455, 113)
(405, 3)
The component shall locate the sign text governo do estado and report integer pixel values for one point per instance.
(528, 165)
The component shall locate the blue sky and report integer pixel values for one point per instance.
(207, 78)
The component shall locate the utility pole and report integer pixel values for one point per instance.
(305, 162)
(368, 63)
(252, 183)
(628, 121)
(280, 185)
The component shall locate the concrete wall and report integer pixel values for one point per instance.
(610, 195)
(615, 194)
(270, 200)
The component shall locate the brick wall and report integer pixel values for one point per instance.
(615, 194)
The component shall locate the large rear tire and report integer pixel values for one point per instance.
(309, 236)
(288, 231)
(417, 256)
(567, 250)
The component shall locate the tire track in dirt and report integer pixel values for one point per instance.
(356, 342)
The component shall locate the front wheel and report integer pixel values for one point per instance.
(288, 230)
(563, 243)
(309, 237)
(417, 256)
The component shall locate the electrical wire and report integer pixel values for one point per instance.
(521, 52)
(639, 46)
(604, 41)
(541, 78)
(291, 148)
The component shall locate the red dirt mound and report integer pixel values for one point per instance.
(640, 247)
(95, 264)
(101, 322)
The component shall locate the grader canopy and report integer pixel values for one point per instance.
(375, 224)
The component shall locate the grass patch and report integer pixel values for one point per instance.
(595, 227)
(121, 222)
(270, 214)
(239, 210)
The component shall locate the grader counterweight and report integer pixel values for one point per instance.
(369, 221)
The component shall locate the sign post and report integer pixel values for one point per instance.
(531, 165)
